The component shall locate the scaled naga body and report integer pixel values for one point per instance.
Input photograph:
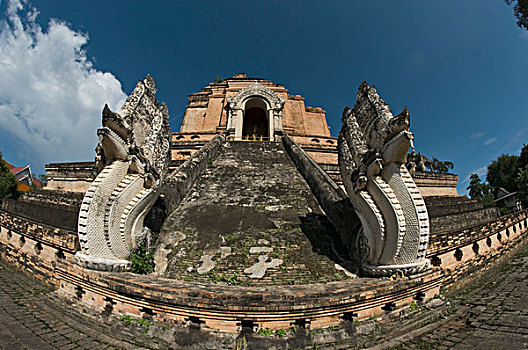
(372, 147)
(132, 157)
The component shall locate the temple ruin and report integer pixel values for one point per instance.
(255, 217)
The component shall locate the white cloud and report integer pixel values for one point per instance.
(515, 143)
(51, 96)
(481, 172)
(489, 141)
(477, 135)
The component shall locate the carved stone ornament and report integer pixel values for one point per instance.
(132, 157)
(256, 89)
(236, 105)
(372, 147)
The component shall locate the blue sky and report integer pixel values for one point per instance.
(459, 66)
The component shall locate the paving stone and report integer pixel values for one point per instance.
(488, 325)
(25, 326)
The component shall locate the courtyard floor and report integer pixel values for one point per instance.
(492, 313)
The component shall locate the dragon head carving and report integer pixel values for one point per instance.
(139, 133)
(373, 146)
(132, 157)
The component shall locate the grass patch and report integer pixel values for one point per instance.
(142, 261)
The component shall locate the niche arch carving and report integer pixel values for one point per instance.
(236, 106)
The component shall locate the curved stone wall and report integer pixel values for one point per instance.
(48, 253)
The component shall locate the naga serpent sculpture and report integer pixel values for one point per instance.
(372, 147)
(132, 158)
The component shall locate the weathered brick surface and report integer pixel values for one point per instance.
(179, 181)
(227, 306)
(329, 194)
(489, 314)
(29, 322)
(73, 199)
(207, 113)
(449, 213)
(74, 177)
(48, 235)
(436, 184)
(251, 196)
(53, 214)
(447, 241)
(446, 205)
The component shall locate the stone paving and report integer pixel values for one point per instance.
(492, 313)
(30, 322)
(489, 314)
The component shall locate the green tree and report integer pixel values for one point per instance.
(43, 178)
(522, 184)
(503, 172)
(439, 166)
(480, 191)
(8, 182)
(520, 11)
(523, 158)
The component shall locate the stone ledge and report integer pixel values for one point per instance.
(446, 241)
(434, 176)
(224, 307)
(45, 234)
(52, 214)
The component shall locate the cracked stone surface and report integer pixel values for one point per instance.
(207, 264)
(490, 314)
(252, 200)
(259, 269)
(259, 250)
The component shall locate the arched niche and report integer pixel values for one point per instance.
(256, 121)
(249, 108)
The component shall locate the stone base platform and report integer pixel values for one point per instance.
(220, 307)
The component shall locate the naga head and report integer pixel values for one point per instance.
(133, 156)
(373, 146)
(139, 133)
(374, 135)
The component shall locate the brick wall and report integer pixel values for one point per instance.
(56, 215)
(48, 253)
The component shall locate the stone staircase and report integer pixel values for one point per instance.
(250, 219)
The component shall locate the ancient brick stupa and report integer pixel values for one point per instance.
(255, 195)
(252, 216)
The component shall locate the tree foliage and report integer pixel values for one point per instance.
(522, 183)
(507, 171)
(503, 172)
(8, 182)
(480, 191)
(520, 10)
(523, 158)
(439, 166)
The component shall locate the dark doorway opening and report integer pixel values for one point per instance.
(255, 124)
